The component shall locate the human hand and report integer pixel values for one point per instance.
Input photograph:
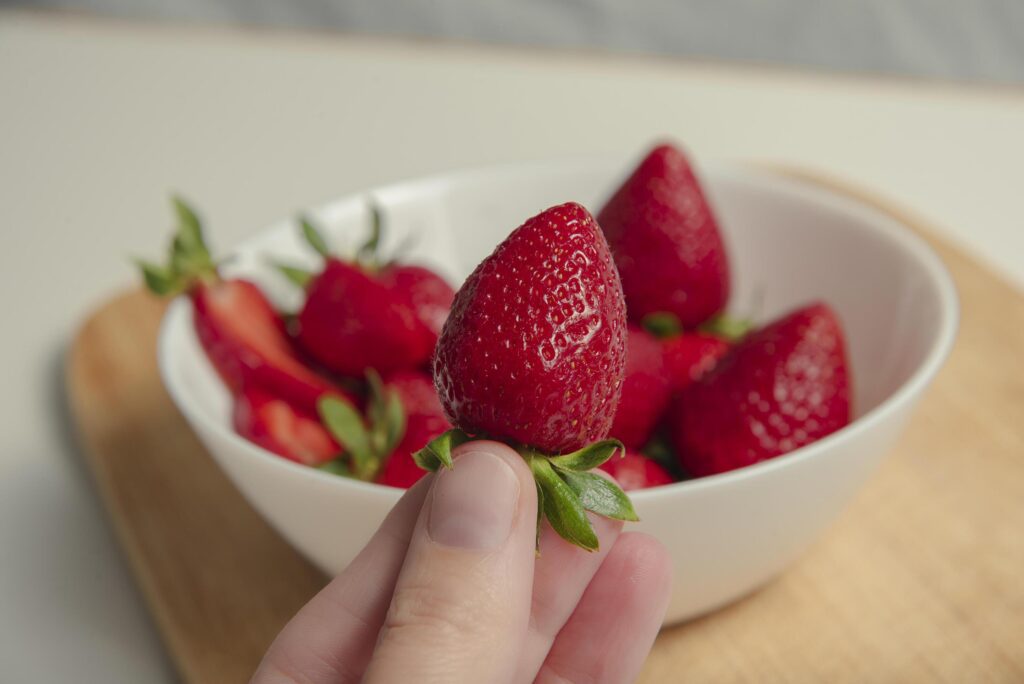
(449, 589)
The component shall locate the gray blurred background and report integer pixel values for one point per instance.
(964, 40)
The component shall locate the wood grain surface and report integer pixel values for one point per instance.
(922, 579)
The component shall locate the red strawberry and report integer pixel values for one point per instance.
(431, 296)
(645, 389)
(400, 469)
(534, 353)
(689, 356)
(665, 240)
(362, 314)
(424, 421)
(636, 471)
(781, 387)
(403, 414)
(534, 348)
(277, 426)
(415, 389)
(239, 330)
(352, 321)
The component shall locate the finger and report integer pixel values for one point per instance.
(461, 605)
(611, 631)
(332, 637)
(561, 574)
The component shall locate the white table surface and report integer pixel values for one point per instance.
(100, 120)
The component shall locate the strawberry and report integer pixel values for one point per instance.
(279, 427)
(533, 353)
(424, 421)
(645, 389)
(352, 321)
(431, 296)
(636, 471)
(534, 348)
(238, 328)
(403, 414)
(781, 387)
(665, 240)
(400, 468)
(363, 314)
(689, 356)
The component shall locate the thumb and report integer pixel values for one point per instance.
(461, 605)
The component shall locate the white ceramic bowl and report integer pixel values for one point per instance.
(789, 242)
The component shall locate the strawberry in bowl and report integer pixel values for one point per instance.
(728, 530)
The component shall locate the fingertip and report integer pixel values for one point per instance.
(646, 561)
(505, 453)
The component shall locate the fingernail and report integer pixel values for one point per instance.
(474, 502)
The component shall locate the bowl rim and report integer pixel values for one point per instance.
(871, 217)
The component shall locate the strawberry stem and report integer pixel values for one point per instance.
(188, 261)
(565, 488)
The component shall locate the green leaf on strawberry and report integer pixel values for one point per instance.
(314, 238)
(589, 457)
(297, 276)
(438, 451)
(599, 495)
(346, 426)
(562, 506)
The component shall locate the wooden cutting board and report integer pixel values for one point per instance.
(922, 579)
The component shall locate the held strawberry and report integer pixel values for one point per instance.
(781, 387)
(239, 330)
(645, 390)
(277, 426)
(665, 240)
(533, 353)
(636, 471)
(363, 314)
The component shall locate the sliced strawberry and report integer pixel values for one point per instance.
(279, 427)
(636, 471)
(240, 331)
(244, 339)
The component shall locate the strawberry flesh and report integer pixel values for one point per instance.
(666, 241)
(636, 471)
(245, 341)
(534, 348)
(279, 427)
(781, 387)
(645, 389)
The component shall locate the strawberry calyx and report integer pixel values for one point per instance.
(189, 262)
(368, 441)
(663, 325)
(566, 489)
(367, 256)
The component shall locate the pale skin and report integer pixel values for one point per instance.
(450, 589)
